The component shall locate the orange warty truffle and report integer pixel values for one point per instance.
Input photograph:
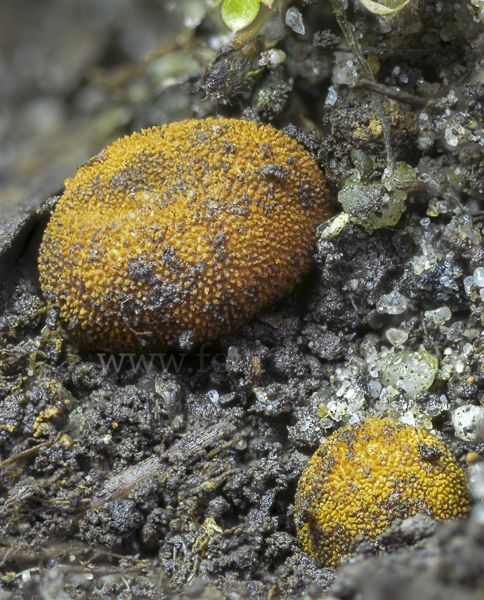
(180, 233)
(365, 476)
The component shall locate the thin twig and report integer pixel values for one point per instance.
(410, 52)
(397, 95)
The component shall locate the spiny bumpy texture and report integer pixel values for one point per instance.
(365, 476)
(181, 233)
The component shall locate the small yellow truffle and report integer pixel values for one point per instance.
(180, 233)
(365, 476)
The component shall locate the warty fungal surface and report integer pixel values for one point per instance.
(180, 233)
(365, 476)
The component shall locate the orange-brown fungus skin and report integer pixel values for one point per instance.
(365, 476)
(182, 230)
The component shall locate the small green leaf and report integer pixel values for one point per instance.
(237, 14)
(385, 7)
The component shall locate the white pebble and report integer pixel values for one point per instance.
(272, 58)
(295, 21)
(332, 96)
(374, 388)
(476, 481)
(468, 421)
(392, 304)
(396, 337)
(213, 396)
(334, 226)
(440, 315)
(478, 277)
